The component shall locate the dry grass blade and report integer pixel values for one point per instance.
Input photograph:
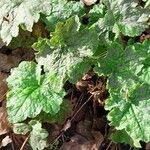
(24, 143)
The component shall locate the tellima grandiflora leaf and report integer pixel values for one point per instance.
(62, 10)
(124, 16)
(14, 13)
(68, 53)
(128, 83)
(30, 92)
(38, 135)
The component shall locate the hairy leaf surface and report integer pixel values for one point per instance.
(15, 13)
(62, 10)
(64, 113)
(124, 16)
(38, 135)
(122, 137)
(68, 52)
(30, 93)
(129, 87)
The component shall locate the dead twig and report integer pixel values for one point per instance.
(24, 143)
(68, 123)
(81, 107)
(109, 146)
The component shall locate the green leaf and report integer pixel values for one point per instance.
(145, 75)
(60, 117)
(147, 3)
(124, 16)
(38, 136)
(112, 61)
(129, 87)
(98, 11)
(123, 61)
(69, 50)
(122, 137)
(65, 33)
(30, 93)
(20, 13)
(62, 10)
(130, 112)
(21, 128)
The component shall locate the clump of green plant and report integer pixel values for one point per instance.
(36, 88)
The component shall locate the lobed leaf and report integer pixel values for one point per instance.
(20, 13)
(30, 93)
(124, 16)
(38, 135)
(129, 87)
(69, 50)
(122, 137)
(62, 10)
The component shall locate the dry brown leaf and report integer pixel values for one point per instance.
(1, 43)
(3, 85)
(98, 138)
(4, 124)
(148, 146)
(79, 142)
(18, 140)
(23, 54)
(86, 139)
(84, 128)
(7, 62)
